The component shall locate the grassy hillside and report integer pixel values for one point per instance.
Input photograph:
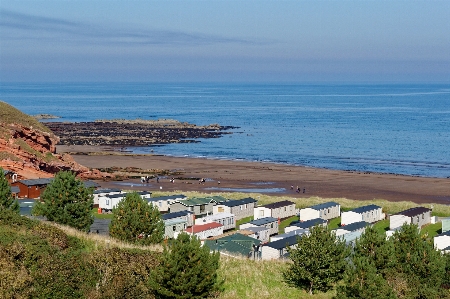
(11, 115)
(43, 260)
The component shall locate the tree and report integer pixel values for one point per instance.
(362, 280)
(67, 201)
(374, 246)
(319, 261)
(136, 221)
(419, 265)
(187, 270)
(6, 199)
(405, 266)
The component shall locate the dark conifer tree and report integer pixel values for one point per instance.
(67, 201)
(187, 270)
(319, 261)
(136, 221)
(7, 201)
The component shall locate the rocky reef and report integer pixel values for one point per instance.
(133, 132)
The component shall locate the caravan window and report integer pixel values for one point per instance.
(107, 202)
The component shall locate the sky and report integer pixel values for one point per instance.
(224, 41)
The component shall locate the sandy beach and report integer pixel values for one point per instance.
(268, 178)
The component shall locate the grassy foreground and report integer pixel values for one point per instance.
(44, 258)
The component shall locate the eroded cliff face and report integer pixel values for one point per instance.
(31, 153)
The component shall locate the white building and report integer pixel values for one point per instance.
(280, 210)
(442, 241)
(186, 216)
(105, 192)
(370, 214)
(260, 233)
(226, 219)
(308, 224)
(278, 249)
(205, 231)
(418, 216)
(108, 203)
(163, 202)
(298, 232)
(173, 227)
(328, 210)
(268, 222)
(353, 227)
(241, 208)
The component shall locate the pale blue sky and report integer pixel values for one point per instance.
(239, 41)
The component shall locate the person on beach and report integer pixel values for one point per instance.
(298, 189)
(292, 187)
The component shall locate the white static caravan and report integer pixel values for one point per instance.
(144, 194)
(280, 210)
(108, 203)
(353, 227)
(445, 224)
(277, 249)
(105, 192)
(418, 215)
(241, 208)
(370, 214)
(205, 231)
(186, 216)
(268, 222)
(305, 224)
(172, 227)
(260, 233)
(226, 219)
(328, 210)
(442, 241)
(163, 202)
(297, 232)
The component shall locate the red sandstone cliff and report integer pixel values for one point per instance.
(28, 148)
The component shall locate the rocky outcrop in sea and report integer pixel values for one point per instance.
(133, 132)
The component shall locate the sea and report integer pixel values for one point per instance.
(387, 128)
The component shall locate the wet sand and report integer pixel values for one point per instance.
(268, 178)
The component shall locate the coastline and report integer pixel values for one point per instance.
(264, 177)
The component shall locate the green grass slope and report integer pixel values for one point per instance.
(11, 115)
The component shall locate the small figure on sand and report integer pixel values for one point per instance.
(298, 189)
(292, 187)
(157, 179)
(304, 190)
(218, 182)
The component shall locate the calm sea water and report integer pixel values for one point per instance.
(402, 129)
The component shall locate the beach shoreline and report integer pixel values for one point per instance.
(262, 177)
